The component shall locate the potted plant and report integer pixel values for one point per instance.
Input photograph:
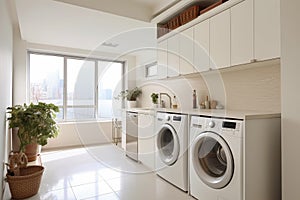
(131, 96)
(36, 123)
(154, 97)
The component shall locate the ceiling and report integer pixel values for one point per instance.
(88, 24)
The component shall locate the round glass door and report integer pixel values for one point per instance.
(212, 160)
(168, 144)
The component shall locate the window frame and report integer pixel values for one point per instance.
(65, 71)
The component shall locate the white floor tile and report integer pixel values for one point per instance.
(110, 196)
(91, 190)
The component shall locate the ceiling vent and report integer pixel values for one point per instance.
(109, 44)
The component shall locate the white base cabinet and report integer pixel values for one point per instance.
(146, 140)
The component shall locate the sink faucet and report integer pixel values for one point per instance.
(165, 94)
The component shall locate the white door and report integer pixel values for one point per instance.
(162, 59)
(168, 145)
(267, 29)
(201, 46)
(212, 160)
(173, 56)
(186, 50)
(242, 33)
(220, 40)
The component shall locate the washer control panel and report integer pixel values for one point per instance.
(219, 125)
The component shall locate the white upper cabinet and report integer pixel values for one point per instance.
(173, 56)
(242, 33)
(186, 51)
(220, 40)
(162, 59)
(201, 46)
(266, 29)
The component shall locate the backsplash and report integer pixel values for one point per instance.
(252, 88)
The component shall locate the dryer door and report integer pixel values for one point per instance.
(168, 144)
(212, 159)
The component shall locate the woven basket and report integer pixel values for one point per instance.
(212, 6)
(174, 23)
(27, 183)
(189, 14)
(162, 29)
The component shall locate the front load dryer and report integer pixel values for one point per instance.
(171, 148)
(216, 158)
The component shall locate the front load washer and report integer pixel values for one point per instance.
(235, 158)
(216, 158)
(171, 148)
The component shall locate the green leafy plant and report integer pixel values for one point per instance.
(36, 122)
(130, 95)
(154, 97)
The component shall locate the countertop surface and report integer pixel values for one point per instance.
(237, 114)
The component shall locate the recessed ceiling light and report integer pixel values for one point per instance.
(109, 44)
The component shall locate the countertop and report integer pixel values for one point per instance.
(237, 114)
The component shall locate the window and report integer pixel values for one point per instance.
(82, 88)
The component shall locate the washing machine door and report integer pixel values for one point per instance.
(212, 160)
(168, 144)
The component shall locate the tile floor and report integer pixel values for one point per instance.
(101, 172)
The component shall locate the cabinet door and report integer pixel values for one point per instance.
(266, 29)
(220, 40)
(201, 46)
(242, 33)
(146, 140)
(173, 56)
(186, 50)
(162, 59)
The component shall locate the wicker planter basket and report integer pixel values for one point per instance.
(27, 183)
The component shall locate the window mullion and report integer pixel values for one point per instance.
(65, 89)
(96, 89)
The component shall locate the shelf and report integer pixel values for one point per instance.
(177, 8)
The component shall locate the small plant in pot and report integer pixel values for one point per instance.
(154, 97)
(131, 96)
(36, 123)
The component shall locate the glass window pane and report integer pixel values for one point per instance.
(109, 78)
(46, 79)
(80, 82)
(80, 113)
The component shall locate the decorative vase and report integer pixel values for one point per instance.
(131, 104)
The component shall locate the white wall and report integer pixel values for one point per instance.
(253, 87)
(290, 82)
(6, 51)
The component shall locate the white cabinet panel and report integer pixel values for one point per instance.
(201, 46)
(146, 140)
(162, 59)
(242, 33)
(173, 56)
(186, 50)
(267, 29)
(220, 40)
